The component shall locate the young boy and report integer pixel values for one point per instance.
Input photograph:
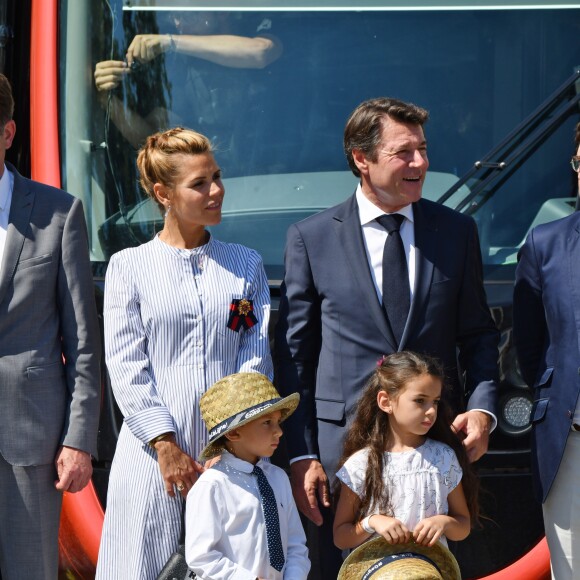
(241, 521)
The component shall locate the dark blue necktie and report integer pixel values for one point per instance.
(396, 293)
(270, 509)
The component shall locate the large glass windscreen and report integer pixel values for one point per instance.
(273, 88)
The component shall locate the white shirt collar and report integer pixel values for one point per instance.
(237, 463)
(6, 184)
(369, 212)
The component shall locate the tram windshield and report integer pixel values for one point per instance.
(272, 84)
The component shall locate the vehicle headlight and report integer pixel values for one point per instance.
(514, 412)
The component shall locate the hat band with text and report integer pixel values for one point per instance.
(393, 558)
(231, 422)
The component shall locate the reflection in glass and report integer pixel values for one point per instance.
(273, 91)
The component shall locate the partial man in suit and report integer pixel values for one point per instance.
(547, 341)
(49, 362)
(347, 300)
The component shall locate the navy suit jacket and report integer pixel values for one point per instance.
(547, 338)
(332, 328)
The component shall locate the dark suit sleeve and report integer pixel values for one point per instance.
(297, 344)
(80, 334)
(477, 334)
(530, 326)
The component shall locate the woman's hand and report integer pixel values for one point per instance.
(428, 531)
(109, 73)
(211, 462)
(177, 467)
(393, 530)
(145, 47)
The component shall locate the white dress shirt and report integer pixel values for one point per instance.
(225, 531)
(6, 186)
(375, 236)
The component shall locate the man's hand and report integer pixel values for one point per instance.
(177, 467)
(74, 469)
(474, 427)
(309, 486)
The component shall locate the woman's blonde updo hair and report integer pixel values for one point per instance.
(156, 161)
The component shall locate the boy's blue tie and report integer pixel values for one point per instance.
(270, 510)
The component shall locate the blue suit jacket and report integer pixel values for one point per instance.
(547, 338)
(332, 328)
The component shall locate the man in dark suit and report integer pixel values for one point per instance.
(547, 341)
(49, 362)
(342, 307)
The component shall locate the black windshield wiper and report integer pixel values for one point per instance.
(495, 167)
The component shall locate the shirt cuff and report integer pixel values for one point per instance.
(149, 423)
(493, 423)
(300, 457)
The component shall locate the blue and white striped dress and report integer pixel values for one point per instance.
(166, 342)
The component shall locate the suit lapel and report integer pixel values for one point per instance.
(348, 229)
(573, 259)
(425, 226)
(20, 209)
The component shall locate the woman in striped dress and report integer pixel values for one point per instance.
(181, 312)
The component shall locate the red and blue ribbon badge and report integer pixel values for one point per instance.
(241, 314)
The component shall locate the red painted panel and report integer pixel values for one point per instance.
(535, 565)
(81, 525)
(45, 159)
(82, 514)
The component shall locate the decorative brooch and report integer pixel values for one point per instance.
(241, 314)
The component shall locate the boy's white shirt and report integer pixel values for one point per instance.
(225, 532)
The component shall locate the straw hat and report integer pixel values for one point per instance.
(236, 400)
(379, 560)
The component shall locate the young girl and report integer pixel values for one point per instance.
(394, 480)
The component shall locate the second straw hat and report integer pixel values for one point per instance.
(379, 560)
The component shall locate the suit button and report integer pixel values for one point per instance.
(570, 413)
